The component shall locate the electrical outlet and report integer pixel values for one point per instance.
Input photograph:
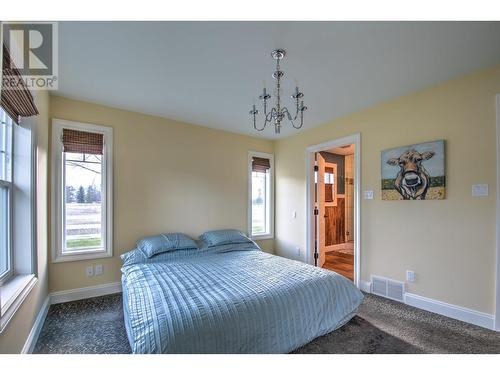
(98, 269)
(410, 276)
(368, 194)
(89, 271)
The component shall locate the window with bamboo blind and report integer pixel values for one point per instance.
(261, 196)
(260, 164)
(77, 141)
(17, 101)
(82, 159)
(17, 216)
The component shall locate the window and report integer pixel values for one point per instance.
(82, 197)
(330, 184)
(17, 192)
(261, 195)
(5, 195)
(17, 202)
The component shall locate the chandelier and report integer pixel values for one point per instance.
(277, 113)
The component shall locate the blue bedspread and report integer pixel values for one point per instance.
(232, 299)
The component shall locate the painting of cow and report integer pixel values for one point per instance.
(414, 172)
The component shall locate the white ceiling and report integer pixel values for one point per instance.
(209, 73)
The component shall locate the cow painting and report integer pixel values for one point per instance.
(414, 172)
(412, 181)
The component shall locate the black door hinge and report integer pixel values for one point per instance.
(316, 168)
(316, 211)
(316, 256)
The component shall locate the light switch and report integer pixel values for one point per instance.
(480, 190)
(368, 194)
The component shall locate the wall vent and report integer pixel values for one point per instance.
(388, 288)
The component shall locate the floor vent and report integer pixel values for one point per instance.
(388, 288)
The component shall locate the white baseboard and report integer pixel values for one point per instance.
(365, 286)
(463, 314)
(29, 345)
(451, 311)
(87, 292)
(65, 296)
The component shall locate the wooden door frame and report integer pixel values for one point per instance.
(325, 204)
(497, 276)
(321, 204)
(310, 151)
(320, 162)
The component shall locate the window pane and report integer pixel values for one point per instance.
(259, 203)
(4, 230)
(5, 147)
(329, 178)
(83, 203)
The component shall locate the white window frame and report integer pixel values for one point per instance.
(269, 235)
(23, 252)
(9, 185)
(58, 192)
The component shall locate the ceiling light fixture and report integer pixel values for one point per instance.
(278, 113)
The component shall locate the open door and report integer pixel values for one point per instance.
(330, 208)
(333, 206)
(320, 205)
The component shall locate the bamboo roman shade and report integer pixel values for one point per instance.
(15, 99)
(82, 142)
(260, 164)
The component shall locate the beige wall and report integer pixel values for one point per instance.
(14, 337)
(168, 176)
(450, 244)
(180, 177)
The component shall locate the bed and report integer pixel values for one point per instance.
(230, 299)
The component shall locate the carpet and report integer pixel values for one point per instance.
(96, 325)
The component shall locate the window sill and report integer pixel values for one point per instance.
(262, 237)
(59, 258)
(12, 295)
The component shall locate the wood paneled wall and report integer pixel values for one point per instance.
(335, 223)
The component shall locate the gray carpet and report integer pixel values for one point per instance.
(382, 326)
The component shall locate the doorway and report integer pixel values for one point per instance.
(333, 206)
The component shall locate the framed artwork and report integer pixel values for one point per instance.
(414, 172)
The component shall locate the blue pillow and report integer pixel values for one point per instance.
(136, 256)
(161, 243)
(224, 237)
